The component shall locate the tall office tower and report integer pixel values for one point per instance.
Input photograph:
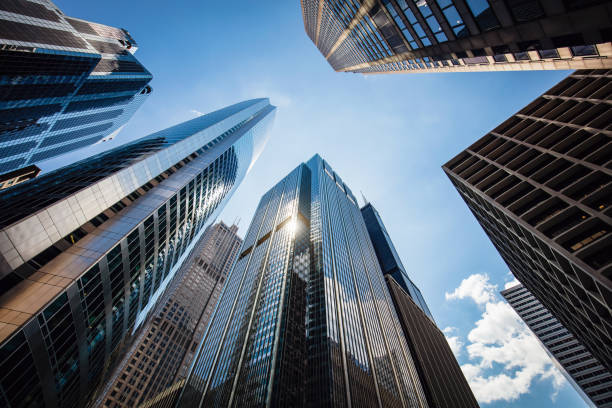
(85, 251)
(65, 83)
(165, 348)
(383, 36)
(441, 377)
(387, 256)
(540, 186)
(305, 318)
(588, 377)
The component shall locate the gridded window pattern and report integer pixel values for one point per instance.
(165, 348)
(586, 372)
(540, 184)
(41, 87)
(443, 382)
(453, 35)
(305, 292)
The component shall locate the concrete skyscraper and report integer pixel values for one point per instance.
(585, 373)
(166, 346)
(540, 185)
(305, 318)
(439, 373)
(85, 251)
(378, 36)
(65, 83)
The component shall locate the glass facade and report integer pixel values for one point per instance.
(64, 83)
(305, 318)
(129, 226)
(458, 35)
(167, 343)
(387, 256)
(583, 371)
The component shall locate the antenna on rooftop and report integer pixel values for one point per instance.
(365, 200)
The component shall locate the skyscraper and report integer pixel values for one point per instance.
(377, 36)
(588, 377)
(165, 348)
(387, 256)
(439, 373)
(540, 186)
(86, 250)
(305, 318)
(65, 83)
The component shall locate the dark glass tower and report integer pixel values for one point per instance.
(540, 184)
(583, 371)
(65, 83)
(85, 251)
(439, 373)
(378, 36)
(167, 343)
(387, 256)
(305, 318)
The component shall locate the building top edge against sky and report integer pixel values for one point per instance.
(386, 36)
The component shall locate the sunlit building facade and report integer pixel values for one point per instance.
(166, 346)
(392, 36)
(305, 318)
(590, 379)
(85, 251)
(540, 186)
(65, 83)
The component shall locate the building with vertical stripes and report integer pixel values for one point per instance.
(87, 250)
(393, 36)
(540, 185)
(305, 318)
(165, 348)
(583, 371)
(65, 83)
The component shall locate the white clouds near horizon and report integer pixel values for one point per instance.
(505, 357)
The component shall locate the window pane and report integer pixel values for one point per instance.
(452, 16)
(441, 37)
(419, 30)
(433, 24)
(444, 3)
(425, 41)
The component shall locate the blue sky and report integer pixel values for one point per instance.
(386, 135)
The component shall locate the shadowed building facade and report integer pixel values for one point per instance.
(540, 184)
(386, 36)
(65, 83)
(443, 381)
(305, 318)
(166, 346)
(585, 373)
(85, 251)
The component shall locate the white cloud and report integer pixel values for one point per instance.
(196, 112)
(477, 287)
(454, 342)
(505, 357)
(512, 283)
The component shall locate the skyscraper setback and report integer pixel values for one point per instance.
(305, 318)
(540, 186)
(439, 373)
(383, 36)
(85, 251)
(166, 347)
(589, 378)
(65, 83)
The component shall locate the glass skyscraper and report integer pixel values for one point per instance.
(86, 250)
(439, 373)
(305, 318)
(590, 379)
(65, 83)
(387, 256)
(384, 36)
(540, 186)
(166, 346)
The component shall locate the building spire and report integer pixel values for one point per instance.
(365, 200)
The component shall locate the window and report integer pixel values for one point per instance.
(432, 22)
(483, 14)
